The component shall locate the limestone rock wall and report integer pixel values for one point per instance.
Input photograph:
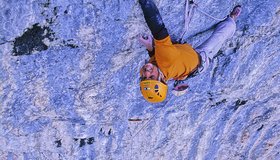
(69, 74)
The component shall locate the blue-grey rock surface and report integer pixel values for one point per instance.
(69, 74)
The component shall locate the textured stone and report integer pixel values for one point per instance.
(75, 93)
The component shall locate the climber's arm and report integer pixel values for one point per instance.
(153, 19)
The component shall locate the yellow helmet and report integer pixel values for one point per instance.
(153, 91)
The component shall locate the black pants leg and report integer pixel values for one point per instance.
(153, 19)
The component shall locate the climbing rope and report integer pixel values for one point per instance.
(189, 11)
(208, 15)
(147, 123)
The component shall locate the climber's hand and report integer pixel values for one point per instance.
(147, 41)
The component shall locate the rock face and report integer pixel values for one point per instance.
(69, 83)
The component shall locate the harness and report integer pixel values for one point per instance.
(195, 72)
(189, 11)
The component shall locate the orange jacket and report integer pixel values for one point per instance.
(175, 61)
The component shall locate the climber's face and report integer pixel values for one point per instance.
(149, 72)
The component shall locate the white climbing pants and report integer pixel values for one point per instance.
(208, 49)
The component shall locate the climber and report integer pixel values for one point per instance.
(176, 61)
